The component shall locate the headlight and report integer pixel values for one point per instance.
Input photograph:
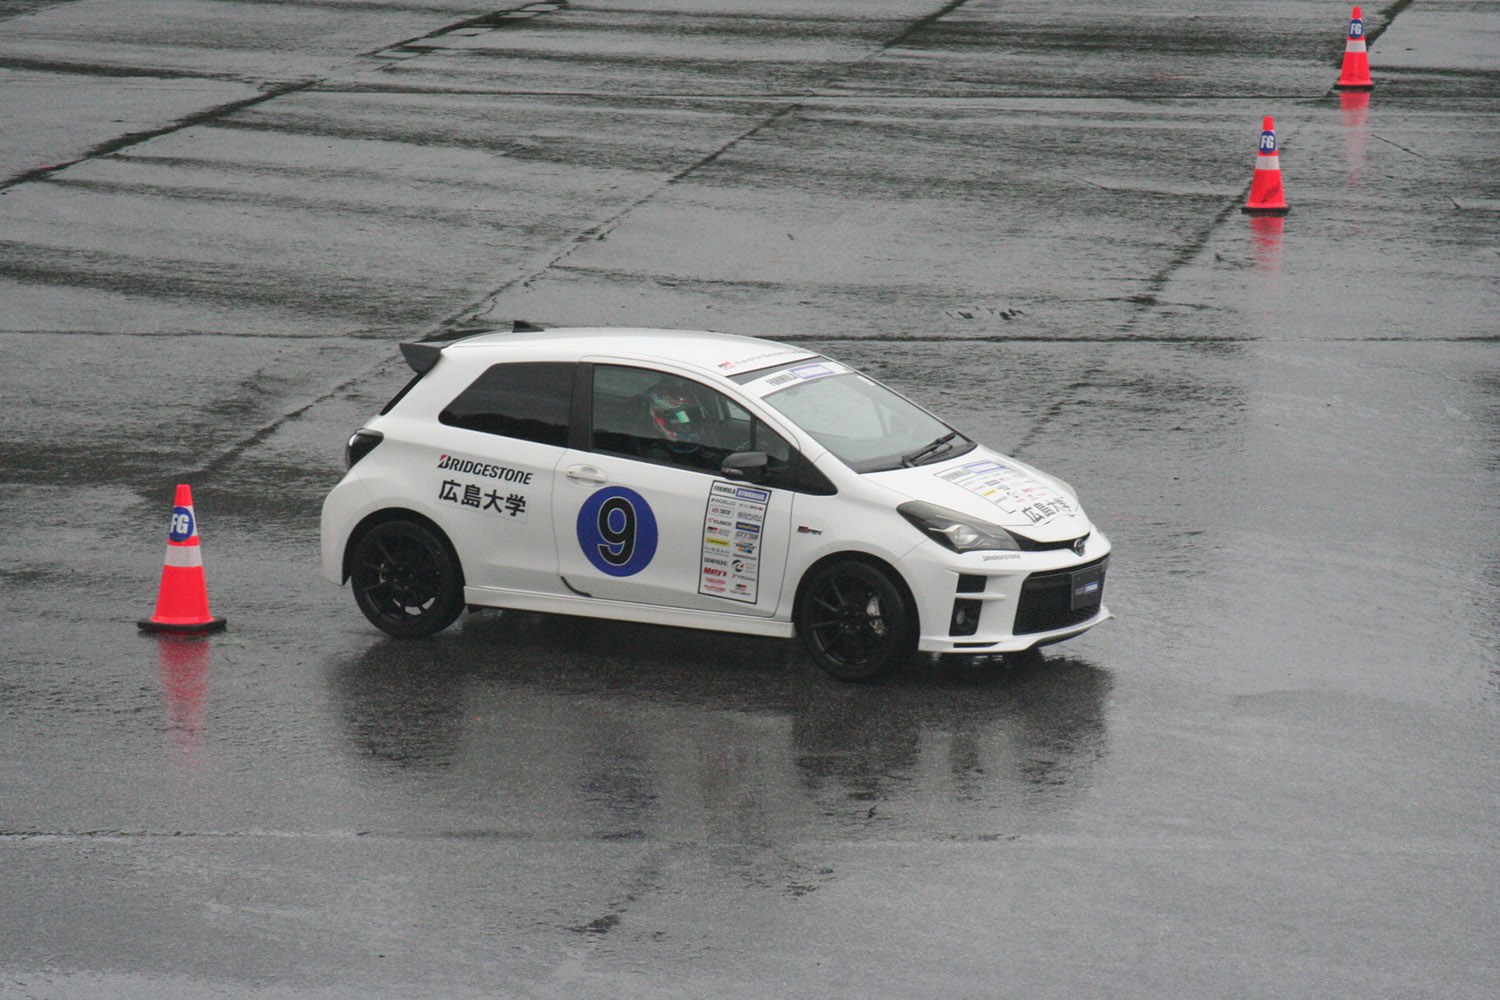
(956, 531)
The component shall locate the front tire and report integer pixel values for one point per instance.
(406, 580)
(855, 620)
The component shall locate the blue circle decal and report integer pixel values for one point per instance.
(182, 524)
(617, 531)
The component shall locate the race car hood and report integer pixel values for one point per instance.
(998, 489)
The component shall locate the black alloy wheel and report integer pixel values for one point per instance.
(406, 580)
(855, 621)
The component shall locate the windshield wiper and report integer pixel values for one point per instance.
(916, 457)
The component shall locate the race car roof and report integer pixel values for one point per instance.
(720, 354)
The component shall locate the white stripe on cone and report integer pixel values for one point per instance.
(184, 556)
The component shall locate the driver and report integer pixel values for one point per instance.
(686, 430)
(678, 418)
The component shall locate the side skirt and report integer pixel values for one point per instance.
(650, 614)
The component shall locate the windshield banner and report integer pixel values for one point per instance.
(795, 376)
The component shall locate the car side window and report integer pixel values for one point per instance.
(670, 420)
(526, 400)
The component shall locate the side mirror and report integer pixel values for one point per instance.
(748, 465)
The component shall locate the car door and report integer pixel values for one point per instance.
(492, 466)
(646, 515)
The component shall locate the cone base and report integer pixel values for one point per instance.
(152, 625)
(1257, 210)
(1354, 86)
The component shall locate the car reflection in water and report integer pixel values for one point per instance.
(532, 725)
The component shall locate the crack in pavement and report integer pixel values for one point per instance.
(474, 316)
(130, 139)
(1148, 300)
(269, 91)
(494, 19)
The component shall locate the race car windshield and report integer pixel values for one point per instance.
(869, 427)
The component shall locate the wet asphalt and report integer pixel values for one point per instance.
(1273, 775)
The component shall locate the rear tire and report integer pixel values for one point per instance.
(406, 579)
(855, 620)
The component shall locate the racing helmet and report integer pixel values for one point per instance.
(677, 415)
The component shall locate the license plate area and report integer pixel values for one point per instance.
(1087, 587)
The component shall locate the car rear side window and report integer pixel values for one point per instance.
(527, 400)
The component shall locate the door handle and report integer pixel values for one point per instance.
(586, 474)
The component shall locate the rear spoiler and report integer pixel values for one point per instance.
(422, 355)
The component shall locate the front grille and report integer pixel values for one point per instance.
(1047, 601)
(1028, 545)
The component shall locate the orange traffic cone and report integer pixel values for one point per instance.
(1356, 71)
(1266, 196)
(182, 601)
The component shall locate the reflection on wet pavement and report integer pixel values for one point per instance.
(648, 740)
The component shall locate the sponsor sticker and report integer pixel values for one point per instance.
(730, 554)
(483, 497)
(468, 466)
(477, 485)
(795, 376)
(1013, 491)
(757, 360)
(182, 525)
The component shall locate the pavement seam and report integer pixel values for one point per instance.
(652, 856)
(129, 139)
(493, 20)
(1149, 298)
(472, 317)
(1145, 302)
(269, 91)
(467, 319)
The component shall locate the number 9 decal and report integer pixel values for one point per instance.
(617, 531)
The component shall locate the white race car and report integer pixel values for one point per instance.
(707, 481)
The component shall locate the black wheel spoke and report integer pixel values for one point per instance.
(376, 589)
(405, 580)
(854, 620)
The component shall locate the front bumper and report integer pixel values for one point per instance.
(983, 602)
